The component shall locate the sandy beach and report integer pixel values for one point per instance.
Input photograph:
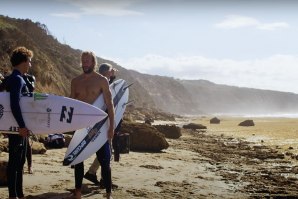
(225, 161)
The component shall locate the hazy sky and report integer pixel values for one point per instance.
(249, 43)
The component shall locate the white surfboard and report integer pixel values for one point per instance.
(85, 142)
(45, 113)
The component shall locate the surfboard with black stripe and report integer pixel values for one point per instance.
(87, 141)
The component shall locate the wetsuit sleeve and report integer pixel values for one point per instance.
(15, 96)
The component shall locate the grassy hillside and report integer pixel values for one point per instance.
(54, 64)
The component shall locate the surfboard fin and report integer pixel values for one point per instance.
(128, 86)
(127, 103)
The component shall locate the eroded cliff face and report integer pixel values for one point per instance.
(214, 98)
(203, 97)
(167, 93)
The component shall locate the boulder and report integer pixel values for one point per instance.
(3, 177)
(67, 140)
(194, 126)
(42, 138)
(247, 123)
(4, 145)
(215, 120)
(170, 131)
(148, 120)
(38, 148)
(144, 137)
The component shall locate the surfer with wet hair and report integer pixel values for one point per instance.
(17, 144)
(87, 87)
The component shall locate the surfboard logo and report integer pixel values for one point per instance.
(66, 114)
(1, 110)
(71, 157)
(39, 96)
(92, 133)
(14, 128)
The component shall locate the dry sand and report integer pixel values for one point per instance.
(218, 163)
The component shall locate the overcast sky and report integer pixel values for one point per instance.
(249, 43)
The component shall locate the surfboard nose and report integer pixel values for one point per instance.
(47, 113)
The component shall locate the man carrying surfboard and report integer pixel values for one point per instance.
(87, 87)
(107, 71)
(16, 86)
(30, 83)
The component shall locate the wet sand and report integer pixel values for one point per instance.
(225, 161)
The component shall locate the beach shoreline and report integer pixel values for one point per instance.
(221, 162)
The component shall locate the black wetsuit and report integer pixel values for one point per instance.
(104, 156)
(17, 144)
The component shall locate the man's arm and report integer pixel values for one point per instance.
(110, 106)
(72, 89)
(15, 97)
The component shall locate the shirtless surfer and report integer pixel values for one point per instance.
(87, 87)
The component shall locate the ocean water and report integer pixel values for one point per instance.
(273, 115)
